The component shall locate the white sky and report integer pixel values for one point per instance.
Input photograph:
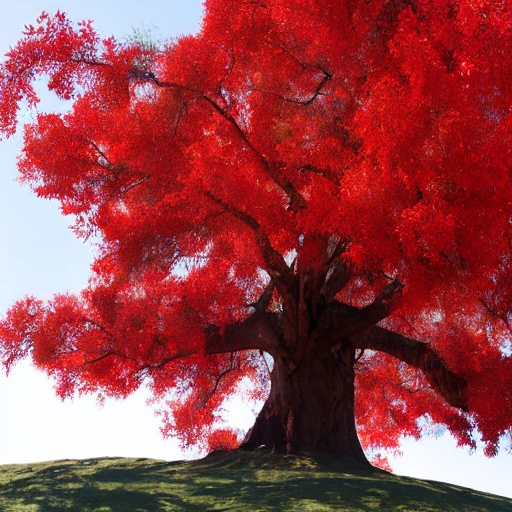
(40, 256)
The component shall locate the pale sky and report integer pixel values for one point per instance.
(40, 256)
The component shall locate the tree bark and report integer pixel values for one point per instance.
(311, 403)
(311, 408)
(450, 386)
(257, 332)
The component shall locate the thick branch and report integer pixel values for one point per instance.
(256, 332)
(336, 247)
(342, 321)
(380, 308)
(338, 276)
(420, 355)
(264, 299)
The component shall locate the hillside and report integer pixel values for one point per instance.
(228, 481)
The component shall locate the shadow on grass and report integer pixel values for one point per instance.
(307, 484)
(100, 486)
(234, 481)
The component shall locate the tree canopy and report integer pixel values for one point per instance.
(323, 182)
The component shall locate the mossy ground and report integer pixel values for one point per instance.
(228, 481)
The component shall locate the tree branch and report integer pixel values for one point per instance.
(338, 276)
(305, 102)
(336, 247)
(420, 355)
(256, 332)
(380, 307)
(264, 299)
(341, 321)
(114, 353)
(140, 367)
(108, 164)
(297, 202)
(218, 379)
(111, 353)
(135, 184)
(105, 163)
(276, 267)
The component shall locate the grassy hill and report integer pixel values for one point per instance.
(234, 481)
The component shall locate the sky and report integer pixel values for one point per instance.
(40, 256)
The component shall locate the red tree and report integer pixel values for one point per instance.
(324, 182)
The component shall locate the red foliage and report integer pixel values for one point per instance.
(279, 130)
(382, 462)
(223, 439)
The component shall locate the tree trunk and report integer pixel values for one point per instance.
(310, 408)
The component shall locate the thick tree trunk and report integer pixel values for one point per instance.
(313, 339)
(311, 408)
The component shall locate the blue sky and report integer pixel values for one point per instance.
(40, 256)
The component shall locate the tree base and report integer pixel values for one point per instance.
(311, 411)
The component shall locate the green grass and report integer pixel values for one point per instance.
(228, 481)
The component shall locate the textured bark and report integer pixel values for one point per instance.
(311, 409)
(311, 403)
(341, 322)
(258, 331)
